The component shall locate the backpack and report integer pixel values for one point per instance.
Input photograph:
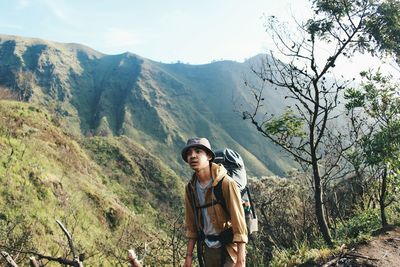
(233, 163)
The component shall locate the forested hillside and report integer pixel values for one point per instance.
(109, 192)
(158, 105)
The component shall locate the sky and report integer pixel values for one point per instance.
(191, 31)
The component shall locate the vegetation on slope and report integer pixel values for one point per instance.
(105, 201)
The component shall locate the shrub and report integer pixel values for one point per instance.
(359, 227)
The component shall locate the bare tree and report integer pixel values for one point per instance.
(306, 130)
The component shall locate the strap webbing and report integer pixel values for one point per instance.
(208, 204)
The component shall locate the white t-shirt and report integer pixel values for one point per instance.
(208, 227)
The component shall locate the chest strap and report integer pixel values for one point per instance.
(209, 204)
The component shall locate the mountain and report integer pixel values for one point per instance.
(157, 105)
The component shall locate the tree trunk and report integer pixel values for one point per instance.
(382, 198)
(319, 207)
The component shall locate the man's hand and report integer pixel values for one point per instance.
(189, 252)
(133, 258)
(240, 264)
(241, 255)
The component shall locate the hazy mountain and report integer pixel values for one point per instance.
(157, 105)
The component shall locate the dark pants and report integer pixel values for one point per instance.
(217, 257)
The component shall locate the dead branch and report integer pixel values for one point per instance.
(74, 263)
(69, 237)
(9, 259)
(353, 255)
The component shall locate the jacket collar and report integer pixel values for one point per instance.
(217, 172)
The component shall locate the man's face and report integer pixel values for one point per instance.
(197, 158)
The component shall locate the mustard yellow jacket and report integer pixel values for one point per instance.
(218, 216)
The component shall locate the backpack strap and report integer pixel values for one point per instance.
(221, 200)
(200, 233)
(251, 202)
(219, 196)
(209, 204)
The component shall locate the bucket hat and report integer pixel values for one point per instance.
(202, 143)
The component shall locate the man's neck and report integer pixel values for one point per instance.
(203, 175)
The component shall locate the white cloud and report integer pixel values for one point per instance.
(22, 4)
(122, 38)
(58, 8)
(174, 17)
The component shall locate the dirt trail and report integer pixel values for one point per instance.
(382, 250)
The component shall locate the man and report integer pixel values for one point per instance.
(212, 219)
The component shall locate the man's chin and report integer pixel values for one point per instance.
(194, 167)
(197, 167)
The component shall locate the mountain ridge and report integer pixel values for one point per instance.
(158, 105)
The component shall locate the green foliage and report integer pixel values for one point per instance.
(285, 214)
(355, 99)
(383, 146)
(359, 227)
(393, 211)
(319, 27)
(379, 31)
(340, 15)
(288, 234)
(137, 177)
(384, 26)
(259, 250)
(288, 125)
(381, 95)
(375, 115)
(302, 253)
(12, 235)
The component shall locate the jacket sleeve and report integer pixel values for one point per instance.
(191, 231)
(233, 201)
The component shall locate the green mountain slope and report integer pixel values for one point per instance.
(102, 188)
(157, 105)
